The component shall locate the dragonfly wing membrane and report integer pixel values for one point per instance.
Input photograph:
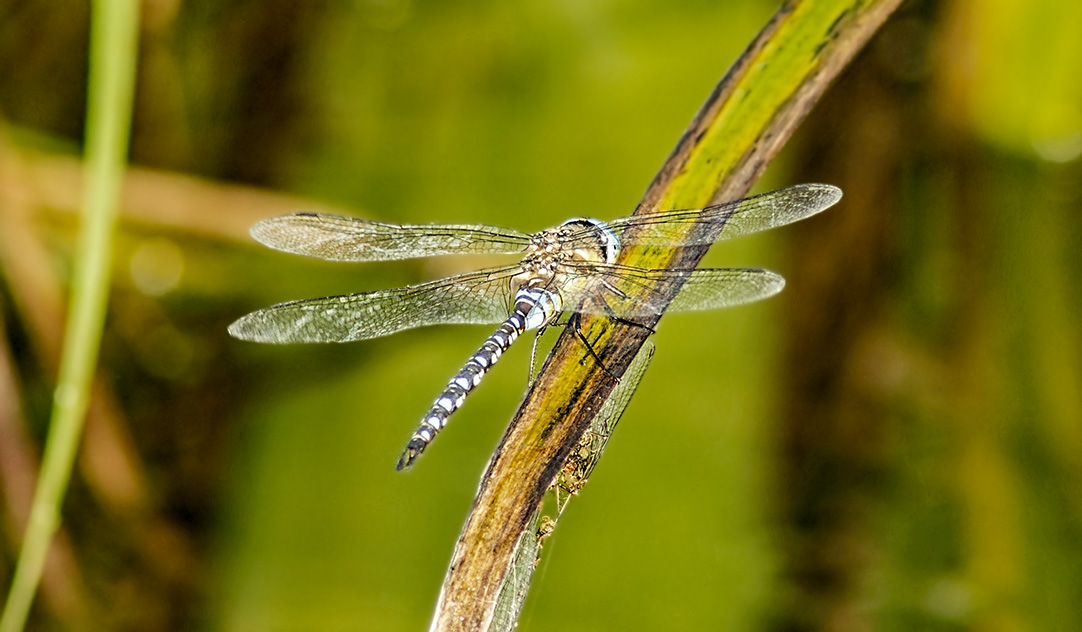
(741, 217)
(352, 239)
(713, 288)
(475, 298)
(619, 290)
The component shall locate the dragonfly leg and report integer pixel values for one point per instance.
(611, 313)
(573, 322)
(533, 353)
(630, 323)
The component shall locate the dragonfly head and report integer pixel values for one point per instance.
(597, 242)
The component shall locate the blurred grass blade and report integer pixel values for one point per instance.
(113, 38)
(735, 135)
(571, 478)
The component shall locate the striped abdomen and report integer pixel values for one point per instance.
(533, 308)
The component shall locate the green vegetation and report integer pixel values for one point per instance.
(893, 443)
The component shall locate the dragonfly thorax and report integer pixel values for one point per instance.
(576, 241)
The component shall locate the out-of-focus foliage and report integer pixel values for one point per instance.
(893, 444)
(1011, 78)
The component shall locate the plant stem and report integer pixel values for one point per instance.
(735, 135)
(113, 39)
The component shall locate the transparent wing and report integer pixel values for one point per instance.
(480, 297)
(607, 289)
(741, 217)
(352, 239)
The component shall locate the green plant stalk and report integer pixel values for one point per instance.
(113, 50)
(528, 554)
(740, 128)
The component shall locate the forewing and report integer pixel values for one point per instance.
(480, 297)
(749, 215)
(352, 239)
(618, 290)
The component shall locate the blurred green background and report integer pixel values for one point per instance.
(892, 444)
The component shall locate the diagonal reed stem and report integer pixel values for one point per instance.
(738, 131)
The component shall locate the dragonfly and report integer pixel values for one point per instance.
(571, 268)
